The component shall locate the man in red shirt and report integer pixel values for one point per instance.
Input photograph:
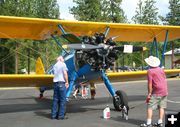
(157, 91)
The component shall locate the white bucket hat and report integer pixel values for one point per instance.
(152, 61)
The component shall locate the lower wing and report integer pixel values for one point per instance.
(135, 75)
(24, 80)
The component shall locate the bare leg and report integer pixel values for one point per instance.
(149, 113)
(149, 118)
(161, 113)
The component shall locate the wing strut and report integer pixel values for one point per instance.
(106, 32)
(152, 48)
(164, 48)
(59, 44)
(62, 29)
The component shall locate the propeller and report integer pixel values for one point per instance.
(134, 48)
(82, 46)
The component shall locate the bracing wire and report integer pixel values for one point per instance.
(16, 52)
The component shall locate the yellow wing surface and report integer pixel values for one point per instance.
(23, 80)
(41, 29)
(137, 75)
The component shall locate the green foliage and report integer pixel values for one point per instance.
(47, 9)
(173, 17)
(86, 10)
(30, 8)
(146, 13)
(98, 10)
(138, 18)
(112, 12)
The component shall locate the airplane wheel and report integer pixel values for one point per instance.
(120, 100)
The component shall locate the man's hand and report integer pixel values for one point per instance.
(148, 98)
(67, 85)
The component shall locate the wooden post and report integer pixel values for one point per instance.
(3, 67)
(16, 59)
(142, 59)
(28, 60)
(123, 62)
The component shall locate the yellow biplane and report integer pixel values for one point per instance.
(92, 54)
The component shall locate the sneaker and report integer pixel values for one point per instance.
(74, 96)
(145, 125)
(53, 118)
(62, 118)
(158, 124)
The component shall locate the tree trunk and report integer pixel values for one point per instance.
(28, 50)
(3, 67)
(16, 59)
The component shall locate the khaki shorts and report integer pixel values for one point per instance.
(157, 102)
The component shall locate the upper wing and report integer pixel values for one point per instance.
(23, 80)
(41, 29)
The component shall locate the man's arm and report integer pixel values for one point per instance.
(66, 79)
(149, 76)
(149, 88)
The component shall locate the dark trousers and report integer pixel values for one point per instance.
(59, 100)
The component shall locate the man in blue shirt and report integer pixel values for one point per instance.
(60, 85)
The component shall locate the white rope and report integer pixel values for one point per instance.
(169, 101)
(16, 50)
(175, 102)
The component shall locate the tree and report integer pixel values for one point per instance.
(47, 9)
(173, 17)
(146, 13)
(86, 10)
(98, 10)
(139, 12)
(112, 12)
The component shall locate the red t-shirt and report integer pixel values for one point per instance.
(157, 78)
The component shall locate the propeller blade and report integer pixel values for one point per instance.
(135, 48)
(115, 37)
(83, 46)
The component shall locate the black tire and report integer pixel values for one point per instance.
(121, 100)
